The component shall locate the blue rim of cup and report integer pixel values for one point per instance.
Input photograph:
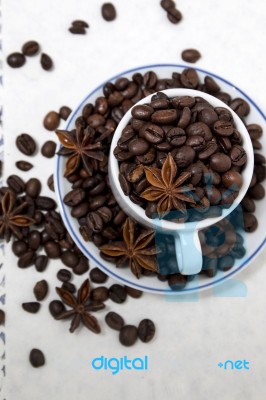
(77, 239)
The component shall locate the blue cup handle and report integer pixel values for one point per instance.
(188, 252)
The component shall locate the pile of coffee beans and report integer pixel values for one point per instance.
(201, 139)
(29, 49)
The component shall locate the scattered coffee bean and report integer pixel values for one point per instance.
(146, 330)
(98, 276)
(16, 183)
(69, 287)
(250, 222)
(27, 259)
(40, 290)
(69, 258)
(33, 187)
(31, 307)
(16, 60)
(77, 30)
(36, 358)
(46, 62)
(108, 11)
(24, 165)
(41, 262)
(52, 249)
(50, 183)
(128, 335)
(19, 247)
(82, 267)
(135, 293)
(2, 317)
(117, 293)
(26, 144)
(99, 294)
(51, 121)
(30, 48)
(64, 275)
(190, 55)
(114, 321)
(48, 149)
(56, 307)
(64, 112)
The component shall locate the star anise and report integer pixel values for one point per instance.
(80, 308)
(134, 249)
(11, 219)
(165, 190)
(79, 147)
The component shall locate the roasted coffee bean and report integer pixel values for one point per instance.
(184, 156)
(56, 307)
(41, 263)
(146, 330)
(46, 62)
(77, 30)
(97, 202)
(80, 210)
(232, 179)
(160, 103)
(197, 143)
(33, 187)
(248, 204)
(177, 281)
(50, 183)
(2, 317)
(167, 4)
(184, 118)
(174, 15)
(260, 172)
(256, 145)
(138, 147)
(98, 276)
(223, 128)
(255, 131)
(199, 129)
(36, 358)
(164, 117)
(99, 294)
(250, 222)
(108, 12)
(24, 165)
(190, 55)
(31, 307)
(45, 203)
(69, 258)
(26, 144)
(149, 79)
(226, 263)
(34, 239)
(240, 107)
(64, 275)
(82, 267)
(51, 121)
(211, 85)
(52, 249)
(40, 290)
(69, 287)
(257, 192)
(121, 83)
(196, 173)
(176, 137)
(105, 213)
(189, 78)
(147, 158)
(16, 183)
(94, 222)
(209, 150)
(238, 155)
(134, 173)
(135, 293)
(48, 149)
(114, 321)
(27, 259)
(142, 112)
(19, 247)
(208, 116)
(117, 293)
(16, 60)
(128, 335)
(74, 197)
(220, 162)
(30, 48)
(64, 112)
(120, 218)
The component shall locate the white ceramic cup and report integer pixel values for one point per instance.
(187, 244)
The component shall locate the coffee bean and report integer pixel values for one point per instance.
(41, 263)
(189, 78)
(223, 128)
(69, 287)
(34, 239)
(184, 156)
(135, 293)
(209, 150)
(56, 307)
(77, 30)
(82, 267)
(30, 48)
(36, 358)
(240, 107)
(138, 147)
(33, 187)
(199, 129)
(108, 12)
(164, 117)
(114, 321)
(142, 112)
(16, 60)
(149, 79)
(64, 112)
(24, 165)
(238, 155)
(174, 15)
(128, 335)
(19, 247)
(260, 172)
(69, 258)
(48, 149)
(176, 137)
(226, 263)
(52, 249)
(40, 290)
(220, 162)
(248, 204)
(99, 294)
(2, 317)
(190, 55)
(232, 179)
(74, 197)
(51, 121)
(211, 85)
(94, 222)
(98, 276)
(197, 143)
(64, 275)
(117, 293)
(27, 259)
(167, 4)
(46, 62)
(255, 131)
(50, 183)
(208, 116)
(177, 281)
(26, 144)
(250, 222)
(257, 192)
(146, 330)
(31, 307)
(16, 184)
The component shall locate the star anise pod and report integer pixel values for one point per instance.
(164, 189)
(79, 147)
(11, 219)
(80, 308)
(134, 249)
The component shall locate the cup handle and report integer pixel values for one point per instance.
(188, 252)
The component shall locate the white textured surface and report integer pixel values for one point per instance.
(192, 337)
